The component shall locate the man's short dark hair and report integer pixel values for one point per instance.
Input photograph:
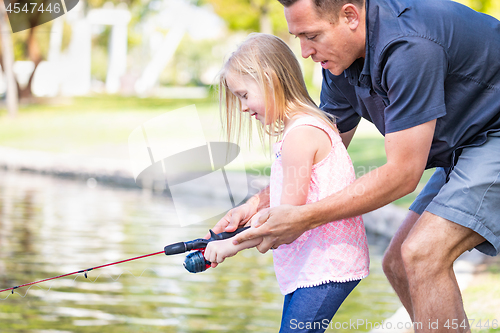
(326, 8)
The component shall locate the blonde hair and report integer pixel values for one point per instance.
(272, 64)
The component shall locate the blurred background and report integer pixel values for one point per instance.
(72, 90)
(159, 48)
(137, 48)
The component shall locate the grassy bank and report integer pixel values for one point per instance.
(92, 125)
(99, 127)
(482, 297)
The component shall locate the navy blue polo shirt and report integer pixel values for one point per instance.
(425, 60)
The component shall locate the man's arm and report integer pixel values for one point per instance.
(347, 137)
(407, 152)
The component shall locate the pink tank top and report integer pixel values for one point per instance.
(334, 252)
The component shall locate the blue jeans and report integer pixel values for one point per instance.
(312, 309)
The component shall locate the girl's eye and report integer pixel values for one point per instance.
(244, 96)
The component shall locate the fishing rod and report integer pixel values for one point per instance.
(195, 262)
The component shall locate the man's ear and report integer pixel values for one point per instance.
(351, 15)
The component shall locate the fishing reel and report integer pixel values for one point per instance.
(195, 262)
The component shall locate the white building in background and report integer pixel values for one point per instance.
(118, 18)
(179, 17)
(69, 73)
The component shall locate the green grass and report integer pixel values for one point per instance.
(482, 297)
(99, 126)
(90, 125)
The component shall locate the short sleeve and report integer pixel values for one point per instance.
(334, 102)
(413, 77)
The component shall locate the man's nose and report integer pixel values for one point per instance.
(306, 48)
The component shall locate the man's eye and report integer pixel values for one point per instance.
(311, 38)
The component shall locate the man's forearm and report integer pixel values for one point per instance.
(407, 152)
(371, 191)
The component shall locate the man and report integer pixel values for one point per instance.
(427, 74)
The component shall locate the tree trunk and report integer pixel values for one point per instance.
(34, 54)
(265, 23)
(8, 62)
(266, 26)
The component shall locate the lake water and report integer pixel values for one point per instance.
(51, 226)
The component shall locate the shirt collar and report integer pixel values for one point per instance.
(358, 74)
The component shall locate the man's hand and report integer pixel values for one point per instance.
(279, 225)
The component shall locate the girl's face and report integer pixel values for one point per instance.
(250, 95)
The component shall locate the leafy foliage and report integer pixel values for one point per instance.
(248, 14)
(491, 7)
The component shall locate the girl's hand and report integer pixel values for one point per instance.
(240, 215)
(217, 251)
(236, 217)
(230, 222)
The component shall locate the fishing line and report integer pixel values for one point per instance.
(84, 271)
(88, 278)
(195, 262)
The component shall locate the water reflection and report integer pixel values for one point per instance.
(52, 226)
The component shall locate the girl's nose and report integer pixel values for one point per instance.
(244, 107)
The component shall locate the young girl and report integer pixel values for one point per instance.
(320, 268)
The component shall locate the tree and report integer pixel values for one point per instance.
(483, 6)
(7, 60)
(491, 7)
(256, 15)
(31, 39)
(32, 44)
(34, 54)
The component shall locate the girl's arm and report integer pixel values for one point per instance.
(303, 147)
(217, 251)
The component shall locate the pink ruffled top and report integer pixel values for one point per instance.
(334, 252)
